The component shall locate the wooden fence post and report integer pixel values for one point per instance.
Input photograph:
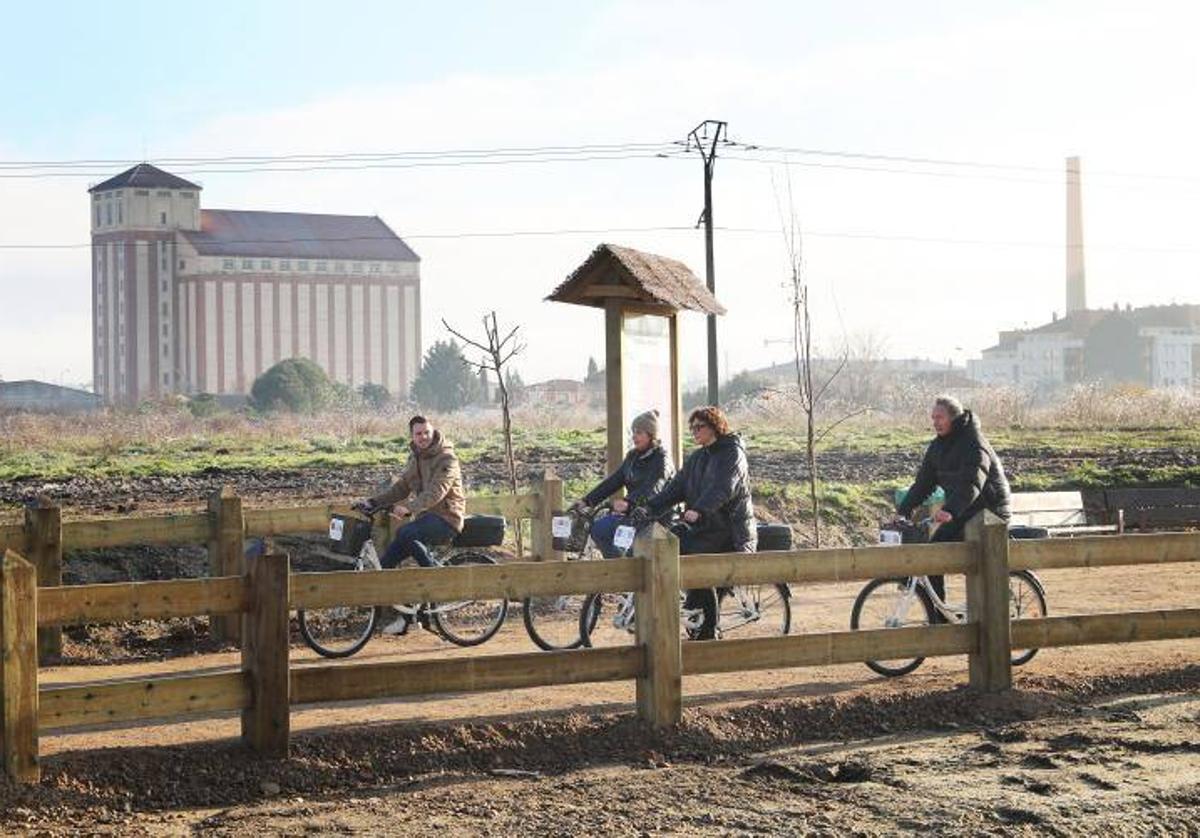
(660, 687)
(18, 669)
(266, 723)
(43, 548)
(226, 551)
(550, 500)
(987, 604)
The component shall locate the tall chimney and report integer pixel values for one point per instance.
(1076, 283)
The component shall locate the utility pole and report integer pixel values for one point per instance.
(705, 137)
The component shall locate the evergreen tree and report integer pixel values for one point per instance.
(445, 383)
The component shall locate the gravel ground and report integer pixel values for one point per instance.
(1114, 754)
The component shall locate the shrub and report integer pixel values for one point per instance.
(203, 405)
(375, 395)
(296, 385)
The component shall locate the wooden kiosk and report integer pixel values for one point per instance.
(642, 295)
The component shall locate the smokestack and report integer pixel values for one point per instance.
(1076, 283)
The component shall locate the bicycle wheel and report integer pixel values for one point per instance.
(552, 622)
(756, 610)
(473, 621)
(888, 603)
(698, 617)
(603, 615)
(340, 631)
(1026, 601)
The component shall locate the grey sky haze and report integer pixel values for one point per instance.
(933, 258)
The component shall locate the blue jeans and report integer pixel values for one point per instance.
(412, 538)
(604, 530)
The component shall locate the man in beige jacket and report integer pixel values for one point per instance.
(427, 498)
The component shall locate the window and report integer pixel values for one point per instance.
(166, 375)
(97, 215)
(163, 285)
(394, 267)
(120, 211)
(166, 329)
(376, 267)
(357, 267)
(302, 265)
(247, 264)
(108, 212)
(164, 309)
(285, 264)
(141, 192)
(162, 218)
(227, 265)
(265, 264)
(182, 264)
(187, 194)
(163, 193)
(322, 266)
(339, 267)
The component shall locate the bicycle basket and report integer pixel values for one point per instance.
(348, 534)
(574, 542)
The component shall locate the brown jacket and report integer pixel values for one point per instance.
(434, 478)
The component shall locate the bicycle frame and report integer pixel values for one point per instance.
(902, 604)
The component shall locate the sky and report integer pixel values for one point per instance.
(930, 259)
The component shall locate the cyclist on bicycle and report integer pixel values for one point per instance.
(964, 464)
(645, 470)
(427, 499)
(714, 485)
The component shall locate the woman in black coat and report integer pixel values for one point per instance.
(644, 471)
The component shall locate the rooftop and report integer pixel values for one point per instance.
(616, 272)
(297, 235)
(144, 176)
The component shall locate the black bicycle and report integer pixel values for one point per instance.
(340, 631)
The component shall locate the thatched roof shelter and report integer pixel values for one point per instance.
(639, 278)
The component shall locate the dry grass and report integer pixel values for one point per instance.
(115, 433)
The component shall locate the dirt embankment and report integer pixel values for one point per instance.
(133, 494)
(1060, 755)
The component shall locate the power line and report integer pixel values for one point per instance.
(502, 234)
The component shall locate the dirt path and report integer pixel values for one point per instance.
(816, 608)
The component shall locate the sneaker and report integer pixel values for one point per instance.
(396, 627)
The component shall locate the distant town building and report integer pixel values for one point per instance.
(188, 300)
(557, 392)
(38, 396)
(1157, 346)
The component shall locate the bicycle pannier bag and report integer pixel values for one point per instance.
(774, 537)
(481, 531)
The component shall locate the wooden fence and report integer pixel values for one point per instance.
(44, 536)
(267, 684)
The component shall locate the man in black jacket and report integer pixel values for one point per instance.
(964, 464)
(644, 471)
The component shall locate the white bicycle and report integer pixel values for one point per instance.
(900, 602)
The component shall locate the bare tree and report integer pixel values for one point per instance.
(813, 377)
(496, 352)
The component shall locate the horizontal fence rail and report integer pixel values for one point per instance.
(827, 649)
(722, 570)
(1104, 551)
(267, 683)
(80, 705)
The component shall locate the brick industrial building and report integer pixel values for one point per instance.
(189, 300)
